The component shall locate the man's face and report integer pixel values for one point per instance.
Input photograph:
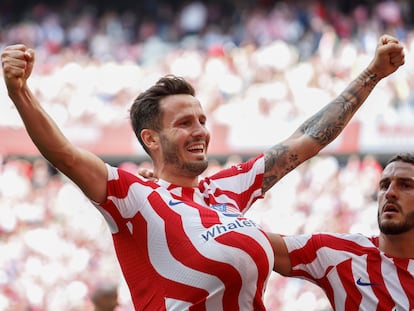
(396, 198)
(184, 138)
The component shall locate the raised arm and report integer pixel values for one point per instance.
(282, 264)
(323, 127)
(83, 168)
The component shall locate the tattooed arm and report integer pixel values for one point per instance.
(323, 127)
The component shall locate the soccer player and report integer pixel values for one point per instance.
(182, 241)
(360, 272)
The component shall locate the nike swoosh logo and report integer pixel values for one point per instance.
(173, 203)
(361, 283)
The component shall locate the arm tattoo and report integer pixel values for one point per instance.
(328, 123)
(323, 127)
(279, 161)
(369, 79)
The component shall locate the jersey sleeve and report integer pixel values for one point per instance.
(313, 256)
(309, 256)
(126, 194)
(242, 182)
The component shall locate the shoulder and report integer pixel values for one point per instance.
(357, 238)
(330, 240)
(252, 166)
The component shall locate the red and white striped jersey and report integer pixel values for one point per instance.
(353, 272)
(190, 248)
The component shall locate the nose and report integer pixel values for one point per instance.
(200, 130)
(391, 191)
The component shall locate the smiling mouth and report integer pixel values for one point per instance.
(199, 148)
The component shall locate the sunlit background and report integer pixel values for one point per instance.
(259, 67)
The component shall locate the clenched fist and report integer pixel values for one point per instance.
(17, 62)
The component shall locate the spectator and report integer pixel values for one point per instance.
(105, 297)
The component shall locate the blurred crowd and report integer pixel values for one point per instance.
(262, 62)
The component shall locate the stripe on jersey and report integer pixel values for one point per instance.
(190, 257)
(406, 283)
(355, 262)
(244, 192)
(145, 272)
(259, 258)
(374, 270)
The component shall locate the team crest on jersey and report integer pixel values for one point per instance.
(226, 210)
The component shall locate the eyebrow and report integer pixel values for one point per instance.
(409, 178)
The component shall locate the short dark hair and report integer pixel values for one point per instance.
(103, 290)
(403, 157)
(145, 112)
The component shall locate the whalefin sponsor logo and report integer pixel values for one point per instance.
(226, 210)
(219, 229)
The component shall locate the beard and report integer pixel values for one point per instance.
(171, 152)
(389, 226)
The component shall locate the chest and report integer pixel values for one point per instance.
(196, 225)
(373, 279)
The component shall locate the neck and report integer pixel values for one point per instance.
(398, 245)
(179, 180)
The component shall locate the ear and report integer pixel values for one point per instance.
(150, 138)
